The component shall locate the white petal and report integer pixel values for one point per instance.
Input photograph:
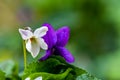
(38, 78)
(28, 78)
(40, 32)
(26, 34)
(42, 43)
(33, 47)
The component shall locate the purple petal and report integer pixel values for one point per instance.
(50, 38)
(47, 54)
(62, 36)
(66, 54)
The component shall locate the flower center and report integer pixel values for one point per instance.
(33, 39)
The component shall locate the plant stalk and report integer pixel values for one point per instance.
(24, 51)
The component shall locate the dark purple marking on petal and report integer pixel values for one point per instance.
(66, 54)
(62, 36)
(47, 54)
(50, 38)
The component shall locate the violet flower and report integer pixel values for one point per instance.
(56, 41)
(34, 41)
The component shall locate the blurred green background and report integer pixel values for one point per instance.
(94, 38)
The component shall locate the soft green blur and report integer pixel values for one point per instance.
(94, 38)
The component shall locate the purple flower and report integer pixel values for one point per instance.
(57, 41)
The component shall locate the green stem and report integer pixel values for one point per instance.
(24, 51)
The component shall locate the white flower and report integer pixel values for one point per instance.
(34, 40)
(28, 78)
(38, 78)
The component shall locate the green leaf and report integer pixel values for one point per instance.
(49, 76)
(7, 67)
(86, 77)
(54, 68)
(11, 69)
(2, 75)
(43, 66)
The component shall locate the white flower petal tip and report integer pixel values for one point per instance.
(38, 78)
(45, 27)
(40, 32)
(42, 43)
(34, 55)
(26, 34)
(28, 78)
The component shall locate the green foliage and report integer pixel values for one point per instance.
(86, 77)
(10, 69)
(2, 75)
(54, 68)
(49, 76)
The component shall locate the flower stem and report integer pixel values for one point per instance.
(24, 51)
